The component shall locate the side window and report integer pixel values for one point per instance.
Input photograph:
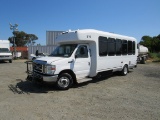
(82, 52)
(124, 47)
(118, 47)
(111, 47)
(129, 47)
(102, 46)
(134, 47)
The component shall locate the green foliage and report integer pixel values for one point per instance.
(155, 56)
(22, 38)
(152, 43)
(31, 38)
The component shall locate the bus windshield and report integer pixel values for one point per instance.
(64, 50)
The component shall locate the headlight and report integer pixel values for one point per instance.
(50, 69)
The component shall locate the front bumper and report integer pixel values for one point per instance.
(42, 78)
(50, 78)
(5, 57)
(38, 77)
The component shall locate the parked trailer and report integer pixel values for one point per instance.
(5, 54)
(82, 55)
(142, 54)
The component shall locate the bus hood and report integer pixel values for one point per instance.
(47, 60)
(5, 53)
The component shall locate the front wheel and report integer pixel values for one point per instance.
(10, 61)
(124, 70)
(64, 81)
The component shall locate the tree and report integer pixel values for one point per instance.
(158, 36)
(22, 38)
(152, 43)
(146, 41)
(156, 44)
(31, 38)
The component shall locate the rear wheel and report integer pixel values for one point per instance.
(124, 70)
(64, 81)
(143, 61)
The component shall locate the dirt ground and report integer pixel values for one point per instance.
(132, 97)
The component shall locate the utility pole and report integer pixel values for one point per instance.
(14, 28)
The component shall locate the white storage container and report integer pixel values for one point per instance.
(18, 54)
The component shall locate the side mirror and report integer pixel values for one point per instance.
(36, 52)
(76, 56)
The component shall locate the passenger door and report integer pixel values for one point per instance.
(82, 62)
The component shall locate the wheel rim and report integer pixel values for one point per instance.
(63, 82)
(125, 70)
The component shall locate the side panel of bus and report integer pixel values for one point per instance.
(114, 53)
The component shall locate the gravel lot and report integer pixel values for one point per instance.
(132, 97)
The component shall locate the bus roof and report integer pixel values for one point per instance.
(88, 35)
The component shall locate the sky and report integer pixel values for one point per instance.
(134, 18)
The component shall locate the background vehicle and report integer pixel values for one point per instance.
(142, 54)
(34, 56)
(84, 54)
(5, 54)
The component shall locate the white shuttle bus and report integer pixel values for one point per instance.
(82, 55)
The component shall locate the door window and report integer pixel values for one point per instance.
(82, 52)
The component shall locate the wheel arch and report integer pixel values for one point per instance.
(123, 73)
(124, 65)
(71, 73)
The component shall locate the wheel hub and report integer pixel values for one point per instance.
(125, 70)
(63, 82)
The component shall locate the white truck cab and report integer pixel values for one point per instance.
(5, 54)
(82, 55)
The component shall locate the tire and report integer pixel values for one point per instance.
(143, 60)
(124, 70)
(10, 61)
(64, 81)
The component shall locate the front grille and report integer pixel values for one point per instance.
(38, 68)
(4, 56)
